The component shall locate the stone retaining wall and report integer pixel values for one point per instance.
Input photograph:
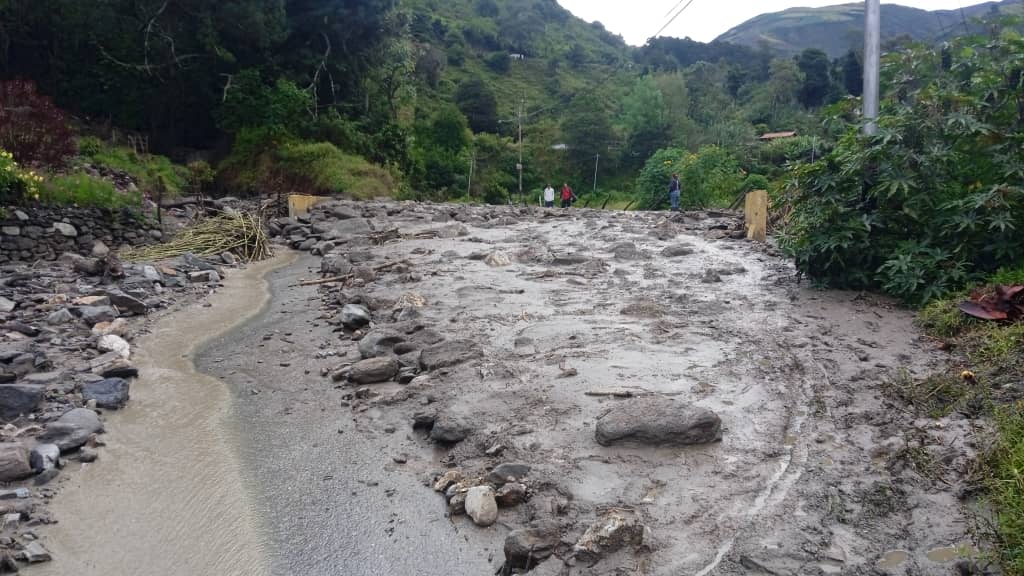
(44, 233)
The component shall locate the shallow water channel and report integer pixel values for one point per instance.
(168, 495)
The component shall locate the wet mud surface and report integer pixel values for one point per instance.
(812, 476)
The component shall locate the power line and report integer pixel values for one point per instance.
(673, 19)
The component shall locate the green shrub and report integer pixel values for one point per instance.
(89, 145)
(16, 184)
(250, 103)
(755, 182)
(710, 178)
(934, 199)
(84, 190)
(941, 318)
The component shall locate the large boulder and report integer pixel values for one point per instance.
(657, 420)
(373, 370)
(93, 315)
(335, 265)
(109, 393)
(354, 316)
(481, 506)
(527, 546)
(14, 462)
(508, 472)
(73, 429)
(18, 399)
(449, 353)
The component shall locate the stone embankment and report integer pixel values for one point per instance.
(28, 234)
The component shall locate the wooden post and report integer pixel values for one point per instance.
(299, 204)
(756, 212)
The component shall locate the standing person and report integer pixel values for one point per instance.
(567, 195)
(674, 191)
(549, 196)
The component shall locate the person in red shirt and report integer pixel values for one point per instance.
(567, 195)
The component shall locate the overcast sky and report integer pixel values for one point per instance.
(704, 20)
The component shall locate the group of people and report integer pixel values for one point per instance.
(568, 197)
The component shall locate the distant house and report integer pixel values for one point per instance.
(517, 56)
(777, 136)
(560, 147)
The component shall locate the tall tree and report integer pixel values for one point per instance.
(817, 82)
(477, 101)
(588, 133)
(853, 73)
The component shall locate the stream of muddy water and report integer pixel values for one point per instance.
(169, 496)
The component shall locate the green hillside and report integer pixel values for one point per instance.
(836, 29)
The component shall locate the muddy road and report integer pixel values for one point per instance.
(570, 315)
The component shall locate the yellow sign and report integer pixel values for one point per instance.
(299, 204)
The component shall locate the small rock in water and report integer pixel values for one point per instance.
(450, 429)
(14, 462)
(35, 553)
(481, 505)
(72, 430)
(87, 454)
(110, 393)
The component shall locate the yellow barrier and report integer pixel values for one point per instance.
(299, 204)
(756, 212)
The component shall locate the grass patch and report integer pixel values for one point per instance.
(1006, 486)
(84, 190)
(941, 318)
(999, 345)
(265, 161)
(148, 170)
(940, 395)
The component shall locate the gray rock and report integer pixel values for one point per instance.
(109, 393)
(508, 472)
(380, 343)
(18, 399)
(6, 305)
(44, 457)
(612, 531)
(335, 265)
(72, 430)
(204, 277)
(198, 263)
(21, 216)
(152, 274)
(343, 213)
(81, 264)
(511, 494)
(677, 250)
(126, 303)
(14, 462)
(373, 370)
(527, 546)
(350, 227)
(66, 230)
(457, 503)
(87, 455)
(355, 316)
(99, 249)
(58, 317)
(449, 429)
(481, 506)
(449, 353)
(93, 315)
(657, 420)
(35, 553)
(10, 230)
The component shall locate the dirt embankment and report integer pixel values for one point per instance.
(597, 356)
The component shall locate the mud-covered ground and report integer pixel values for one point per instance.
(819, 471)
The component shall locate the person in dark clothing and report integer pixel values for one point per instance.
(674, 191)
(567, 195)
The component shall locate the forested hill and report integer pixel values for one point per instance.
(837, 29)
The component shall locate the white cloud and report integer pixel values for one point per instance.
(704, 20)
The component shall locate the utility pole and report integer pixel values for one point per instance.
(472, 162)
(519, 166)
(872, 62)
(597, 159)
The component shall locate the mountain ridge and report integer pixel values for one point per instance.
(839, 28)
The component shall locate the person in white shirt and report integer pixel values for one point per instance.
(549, 197)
